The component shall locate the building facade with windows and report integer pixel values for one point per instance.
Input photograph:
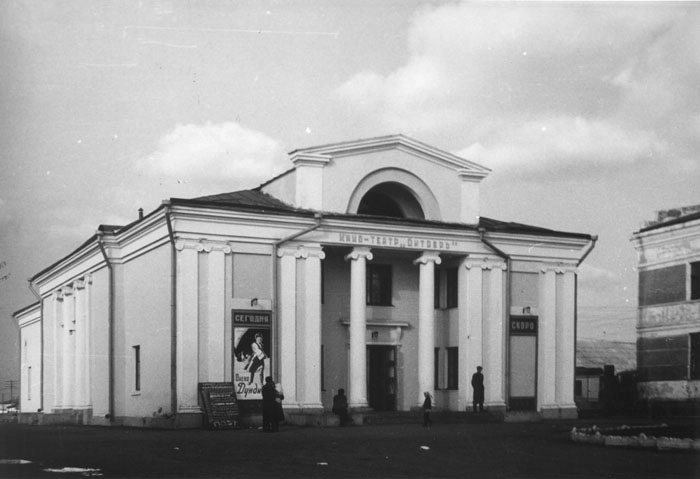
(366, 266)
(668, 323)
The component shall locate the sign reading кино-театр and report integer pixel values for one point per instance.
(391, 241)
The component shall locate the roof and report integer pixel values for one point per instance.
(592, 353)
(255, 200)
(675, 221)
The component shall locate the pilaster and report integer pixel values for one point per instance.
(546, 355)
(187, 326)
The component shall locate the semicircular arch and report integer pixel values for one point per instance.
(413, 184)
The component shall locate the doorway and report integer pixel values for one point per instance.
(523, 364)
(381, 377)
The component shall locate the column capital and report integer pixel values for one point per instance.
(79, 283)
(360, 252)
(428, 256)
(313, 251)
(485, 263)
(558, 268)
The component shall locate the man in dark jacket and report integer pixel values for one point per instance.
(478, 385)
(269, 405)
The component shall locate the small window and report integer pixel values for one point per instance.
(578, 388)
(436, 370)
(137, 368)
(379, 284)
(694, 369)
(452, 368)
(695, 280)
(451, 287)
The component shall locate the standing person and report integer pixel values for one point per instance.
(427, 406)
(478, 385)
(340, 407)
(279, 412)
(269, 405)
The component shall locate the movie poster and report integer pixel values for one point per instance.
(251, 350)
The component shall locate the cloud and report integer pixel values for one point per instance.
(561, 142)
(611, 83)
(214, 153)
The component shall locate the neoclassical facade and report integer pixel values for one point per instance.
(366, 266)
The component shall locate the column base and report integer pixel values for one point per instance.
(568, 411)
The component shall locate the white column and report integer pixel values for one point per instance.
(311, 317)
(475, 313)
(357, 368)
(287, 317)
(494, 339)
(426, 323)
(546, 356)
(216, 315)
(80, 333)
(566, 343)
(58, 328)
(464, 384)
(87, 366)
(187, 328)
(69, 347)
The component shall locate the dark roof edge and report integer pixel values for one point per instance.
(273, 179)
(26, 308)
(675, 221)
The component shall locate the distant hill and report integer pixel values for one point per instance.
(596, 353)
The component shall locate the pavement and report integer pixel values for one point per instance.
(447, 449)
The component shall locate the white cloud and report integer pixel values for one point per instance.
(560, 143)
(214, 152)
(600, 77)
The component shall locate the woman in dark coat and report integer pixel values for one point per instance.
(478, 385)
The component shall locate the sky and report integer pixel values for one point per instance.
(587, 113)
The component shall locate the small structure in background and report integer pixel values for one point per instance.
(605, 377)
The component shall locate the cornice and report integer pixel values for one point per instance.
(399, 142)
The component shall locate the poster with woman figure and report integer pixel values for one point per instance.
(251, 349)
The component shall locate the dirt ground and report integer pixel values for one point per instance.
(487, 450)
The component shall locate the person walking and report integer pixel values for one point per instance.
(427, 406)
(478, 385)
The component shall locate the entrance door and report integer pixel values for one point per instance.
(381, 377)
(523, 364)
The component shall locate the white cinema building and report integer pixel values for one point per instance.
(365, 266)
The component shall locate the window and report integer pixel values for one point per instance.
(452, 368)
(379, 284)
(436, 371)
(451, 287)
(578, 388)
(662, 285)
(436, 299)
(137, 368)
(694, 369)
(695, 280)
